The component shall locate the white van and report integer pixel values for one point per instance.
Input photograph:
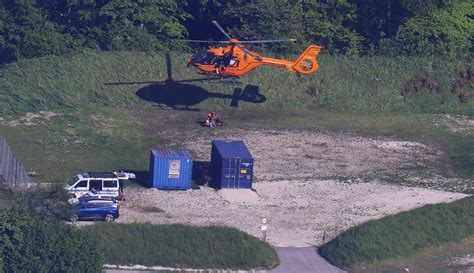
(98, 184)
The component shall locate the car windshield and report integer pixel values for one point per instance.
(73, 181)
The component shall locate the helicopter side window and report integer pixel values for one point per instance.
(209, 59)
(234, 62)
(218, 60)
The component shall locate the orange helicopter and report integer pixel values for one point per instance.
(234, 60)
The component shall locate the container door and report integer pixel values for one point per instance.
(229, 174)
(245, 174)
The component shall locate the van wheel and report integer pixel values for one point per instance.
(74, 218)
(109, 218)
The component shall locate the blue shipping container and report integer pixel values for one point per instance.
(170, 169)
(231, 165)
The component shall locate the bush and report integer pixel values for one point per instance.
(463, 87)
(49, 203)
(418, 83)
(402, 234)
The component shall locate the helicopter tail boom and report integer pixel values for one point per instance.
(306, 62)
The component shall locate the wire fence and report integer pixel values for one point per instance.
(11, 170)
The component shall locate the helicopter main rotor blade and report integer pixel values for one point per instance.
(200, 41)
(267, 41)
(221, 29)
(246, 51)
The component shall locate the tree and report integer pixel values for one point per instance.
(142, 25)
(331, 23)
(264, 19)
(27, 32)
(446, 28)
(29, 243)
(379, 20)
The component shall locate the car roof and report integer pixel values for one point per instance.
(99, 175)
(97, 200)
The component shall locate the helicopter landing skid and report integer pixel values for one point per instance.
(213, 78)
(227, 82)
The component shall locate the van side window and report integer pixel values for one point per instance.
(110, 183)
(81, 184)
(95, 185)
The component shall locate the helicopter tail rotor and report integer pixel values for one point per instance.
(306, 62)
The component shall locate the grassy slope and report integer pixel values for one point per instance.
(343, 83)
(446, 258)
(403, 234)
(182, 246)
(87, 139)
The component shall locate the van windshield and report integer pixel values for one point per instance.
(73, 181)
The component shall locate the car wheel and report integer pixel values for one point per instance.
(109, 218)
(74, 218)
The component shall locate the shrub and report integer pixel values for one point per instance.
(418, 83)
(463, 87)
(49, 203)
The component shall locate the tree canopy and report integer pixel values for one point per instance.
(35, 238)
(35, 28)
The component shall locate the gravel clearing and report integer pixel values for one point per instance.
(298, 213)
(307, 184)
(302, 155)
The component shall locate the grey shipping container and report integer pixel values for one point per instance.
(231, 165)
(170, 169)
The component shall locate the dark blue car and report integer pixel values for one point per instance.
(96, 209)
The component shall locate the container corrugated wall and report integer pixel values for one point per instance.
(231, 165)
(170, 169)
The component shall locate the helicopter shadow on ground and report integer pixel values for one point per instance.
(181, 96)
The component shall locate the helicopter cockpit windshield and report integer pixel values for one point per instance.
(203, 58)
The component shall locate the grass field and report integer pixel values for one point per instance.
(403, 235)
(182, 246)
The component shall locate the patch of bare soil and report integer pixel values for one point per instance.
(466, 262)
(456, 123)
(310, 186)
(29, 119)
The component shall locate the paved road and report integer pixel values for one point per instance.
(292, 260)
(302, 260)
